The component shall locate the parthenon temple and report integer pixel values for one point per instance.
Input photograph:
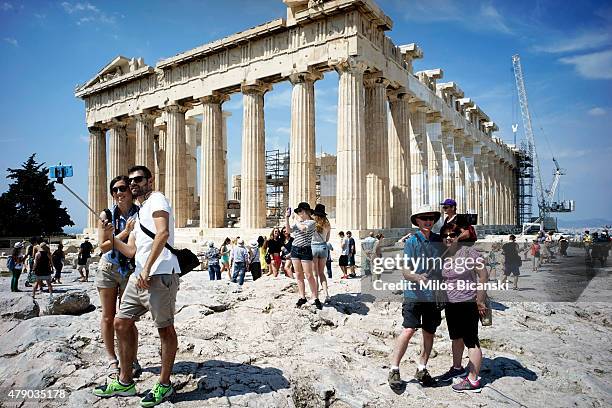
(404, 138)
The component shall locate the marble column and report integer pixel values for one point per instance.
(253, 181)
(191, 162)
(212, 207)
(144, 140)
(224, 168)
(492, 189)
(434, 158)
(302, 177)
(377, 160)
(418, 156)
(448, 161)
(118, 154)
(460, 193)
(477, 176)
(468, 166)
(131, 149)
(350, 183)
(399, 160)
(176, 170)
(160, 160)
(97, 195)
(485, 183)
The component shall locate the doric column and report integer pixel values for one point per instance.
(131, 149)
(477, 182)
(302, 177)
(468, 163)
(460, 196)
(499, 194)
(97, 187)
(492, 202)
(418, 156)
(350, 183)
(434, 158)
(253, 181)
(118, 155)
(212, 163)
(485, 185)
(448, 161)
(176, 171)
(399, 160)
(144, 140)
(224, 169)
(377, 159)
(191, 154)
(160, 160)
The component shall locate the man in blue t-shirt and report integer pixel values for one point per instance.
(422, 255)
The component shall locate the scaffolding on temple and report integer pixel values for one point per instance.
(524, 184)
(277, 185)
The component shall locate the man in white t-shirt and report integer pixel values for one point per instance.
(152, 287)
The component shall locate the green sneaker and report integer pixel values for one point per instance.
(115, 388)
(157, 395)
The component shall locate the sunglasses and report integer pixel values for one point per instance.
(137, 179)
(426, 217)
(451, 235)
(445, 207)
(117, 189)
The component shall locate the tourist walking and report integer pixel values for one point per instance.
(351, 254)
(57, 259)
(344, 254)
(463, 270)
(42, 268)
(418, 308)
(15, 265)
(563, 245)
(28, 263)
(84, 254)
(212, 255)
(512, 261)
(255, 260)
(261, 247)
(302, 231)
(368, 253)
(153, 286)
(114, 268)
(274, 246)
(320, 251)
(225, 252)
(535, 253)
(239, 261)
(493, 261)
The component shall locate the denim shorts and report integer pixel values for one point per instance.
(319, 250)
(302, 253)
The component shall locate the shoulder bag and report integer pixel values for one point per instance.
(187, 260)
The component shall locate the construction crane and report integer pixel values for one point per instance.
(544, 197)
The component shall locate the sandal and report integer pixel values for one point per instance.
(112, 372)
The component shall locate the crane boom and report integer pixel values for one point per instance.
(522, 96)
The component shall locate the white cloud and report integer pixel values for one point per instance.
(87, 13)
(284, 130)
(596, 65)
(597, 111)
(494, 18)
(84, 139)
(11, 41)
(579, 42)
(5, 6)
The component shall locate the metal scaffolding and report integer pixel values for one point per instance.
(277, 185)
(524, 182)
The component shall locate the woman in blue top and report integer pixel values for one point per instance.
(114, 268)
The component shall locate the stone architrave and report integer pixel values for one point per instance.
(399, 160)
(145, 140)
(434, 158)
(378, 206)
(351, 167)
(118, 154)
(448, 161)
(97, 187)
(302, 177)
(253, 181)
(460, 196)
(212, 206)
(418, 156)
(176, 171)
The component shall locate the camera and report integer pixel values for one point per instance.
(60, 171)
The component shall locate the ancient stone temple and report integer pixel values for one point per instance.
(404, 138)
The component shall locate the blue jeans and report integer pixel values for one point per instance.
(239, 268)
(214, 272)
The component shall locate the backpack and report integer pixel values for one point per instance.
(10, 263)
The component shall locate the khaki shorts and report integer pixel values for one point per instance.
(159, 299)
(108, 276)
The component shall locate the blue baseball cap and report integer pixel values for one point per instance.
(449, 201)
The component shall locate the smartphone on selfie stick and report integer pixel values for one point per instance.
(60, 172)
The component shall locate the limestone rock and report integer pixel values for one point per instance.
(18, 306)
(69, 303)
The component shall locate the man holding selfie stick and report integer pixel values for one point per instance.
(152, 287)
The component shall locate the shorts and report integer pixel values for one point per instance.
(423, 315)
(108, 276)
(512, 269)
(159, 299)
(320, 250)
(82, 261)
(351, 260)
(43, 278)
(343, 260)
(302, 253)
(462, 321)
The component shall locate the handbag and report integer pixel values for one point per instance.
(187, 260)
(268, 258)
(487, 319)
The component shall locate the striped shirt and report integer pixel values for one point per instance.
(303, 238)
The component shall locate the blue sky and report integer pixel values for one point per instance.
(48, 48)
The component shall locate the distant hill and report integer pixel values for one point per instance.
(587, 223)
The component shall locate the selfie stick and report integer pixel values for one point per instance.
(60, 180)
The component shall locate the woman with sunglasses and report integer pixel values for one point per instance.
(114, 268)
(464, 268)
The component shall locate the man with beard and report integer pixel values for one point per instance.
(152, 287)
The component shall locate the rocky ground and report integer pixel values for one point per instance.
(252, 348)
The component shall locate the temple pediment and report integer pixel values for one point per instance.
(117, 68)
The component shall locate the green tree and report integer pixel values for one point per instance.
(29, 207)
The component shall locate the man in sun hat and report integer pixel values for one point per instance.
(418, 309)
(255, 264)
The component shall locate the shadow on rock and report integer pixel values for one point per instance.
(501, 367)
(349, 303)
